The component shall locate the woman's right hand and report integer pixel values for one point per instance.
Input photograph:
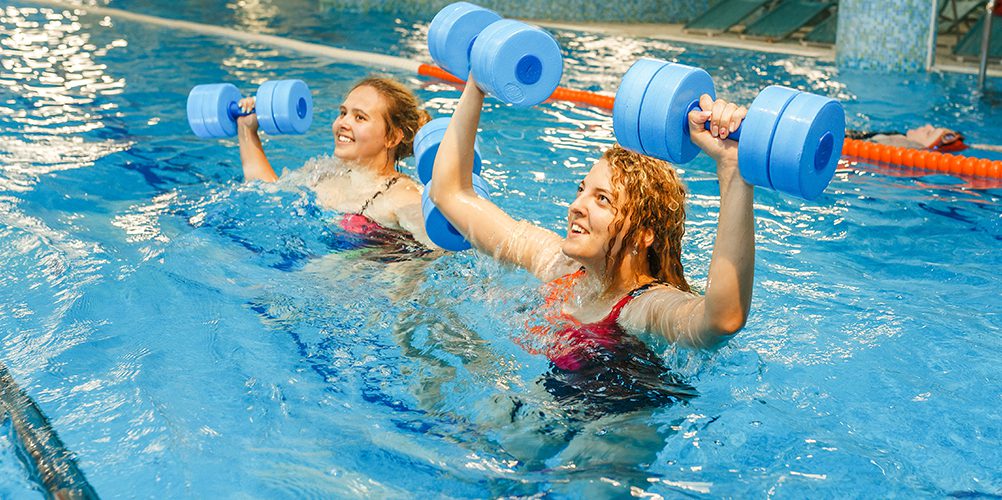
(248, 122)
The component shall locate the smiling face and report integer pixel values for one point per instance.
(590, 218)
(360, 130)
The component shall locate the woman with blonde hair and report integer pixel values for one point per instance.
(619, 269)
(373, 132)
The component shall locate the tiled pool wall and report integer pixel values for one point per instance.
(618, 11)
(882, 35)
(885, 35)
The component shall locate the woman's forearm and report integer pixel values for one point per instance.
(255, 164)
(732, 265)
(453, 172)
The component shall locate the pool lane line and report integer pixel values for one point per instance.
(953, 164)
(361, 58)
(38, 446)
(967, 166)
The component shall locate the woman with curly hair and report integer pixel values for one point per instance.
(619, 269)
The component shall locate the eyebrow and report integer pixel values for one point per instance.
(353, 110)
(604, 191)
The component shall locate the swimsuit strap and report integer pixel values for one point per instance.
(389, 183)
(636, 292)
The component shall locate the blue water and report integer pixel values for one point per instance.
(189, 335)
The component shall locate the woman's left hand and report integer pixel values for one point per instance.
(724, 117)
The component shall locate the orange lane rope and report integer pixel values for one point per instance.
(893, 155)
(924, 159)
(561, 94)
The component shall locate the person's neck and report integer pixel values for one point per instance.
(629, 276)
(381, 166)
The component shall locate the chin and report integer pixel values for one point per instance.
(573, 250)
(341, 154)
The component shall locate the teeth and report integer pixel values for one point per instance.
(343, 138)
(575, 228)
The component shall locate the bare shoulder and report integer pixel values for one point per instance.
(405, 188)
(668, 312)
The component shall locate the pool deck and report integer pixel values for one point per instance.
(945, 61)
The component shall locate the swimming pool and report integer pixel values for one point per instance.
(191, 336)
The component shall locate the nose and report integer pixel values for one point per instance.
(577, 207)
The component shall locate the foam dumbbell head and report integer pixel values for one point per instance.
(759, 129)
(194, 112)
(440, 231)
(651, 110)
(812, 130)
(517, 63)
(629, 98)
(284, 107)
(452, 32)
(426, 143)
(208, 109)
(664, 115)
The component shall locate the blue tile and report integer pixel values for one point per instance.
(883, 35)
(633, 11)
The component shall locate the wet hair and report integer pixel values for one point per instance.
(402, 112)
(651, 196)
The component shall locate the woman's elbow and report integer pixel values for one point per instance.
(725, 325)
(434, 193)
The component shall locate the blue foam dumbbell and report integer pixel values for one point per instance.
(440, 230)
(789, 141)
(513, 61)
(282, 107)
(426, 143)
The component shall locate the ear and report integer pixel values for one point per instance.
(646, 238)
(394, 138)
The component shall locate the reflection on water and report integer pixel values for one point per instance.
(52, 92)
(190, 334)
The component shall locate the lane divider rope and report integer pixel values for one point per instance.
(923, 159)
(892, 155)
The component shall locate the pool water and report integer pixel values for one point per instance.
(189, 335)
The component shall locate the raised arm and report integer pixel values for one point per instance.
(255, 164)
(482, 223)
(723, 310)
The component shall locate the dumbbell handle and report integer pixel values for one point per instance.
(736, 135)
(236, 112)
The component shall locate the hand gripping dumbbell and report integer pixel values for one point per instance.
(426, 143)
(790, 140)
(513, 61)
(282, 107)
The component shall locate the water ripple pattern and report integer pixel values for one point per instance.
(192, 335)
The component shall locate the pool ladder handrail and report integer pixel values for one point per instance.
(986, 37)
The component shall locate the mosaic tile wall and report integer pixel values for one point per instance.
(883, 35)
(634, 11)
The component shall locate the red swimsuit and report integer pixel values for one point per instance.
(598, 368)
(575, 343)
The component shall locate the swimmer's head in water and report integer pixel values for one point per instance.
(401, 113)
(651, 197)
(937, 138)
